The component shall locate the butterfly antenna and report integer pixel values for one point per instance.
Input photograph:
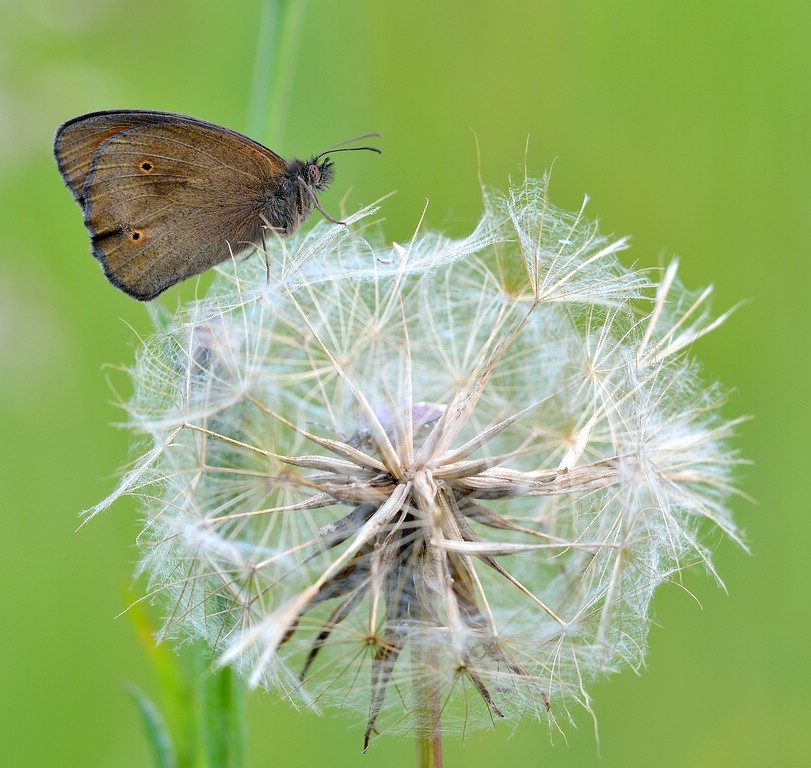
(339, 147)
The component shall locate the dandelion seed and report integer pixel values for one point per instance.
(436, 483)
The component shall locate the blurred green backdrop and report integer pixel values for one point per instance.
(688, 126)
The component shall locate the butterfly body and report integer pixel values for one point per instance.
(166, 197)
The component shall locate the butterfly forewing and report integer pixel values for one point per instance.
(146, 194)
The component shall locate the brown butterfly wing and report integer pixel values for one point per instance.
(167, 198)
(77, 141)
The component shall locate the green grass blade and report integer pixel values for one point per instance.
(155, 729)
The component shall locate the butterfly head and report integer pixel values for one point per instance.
(308, 178)
(314, 175)
(317, 175)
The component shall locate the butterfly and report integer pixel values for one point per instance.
(166, 196)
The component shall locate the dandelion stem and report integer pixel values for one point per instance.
(427, 708)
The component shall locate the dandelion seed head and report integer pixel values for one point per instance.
(461, 464)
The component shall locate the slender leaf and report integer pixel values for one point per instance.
(155, 729)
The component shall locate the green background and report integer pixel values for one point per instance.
(686, 123)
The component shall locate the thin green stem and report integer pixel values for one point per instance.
(427, 708)
(429, 750)
(223, 719)
(277, 48)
